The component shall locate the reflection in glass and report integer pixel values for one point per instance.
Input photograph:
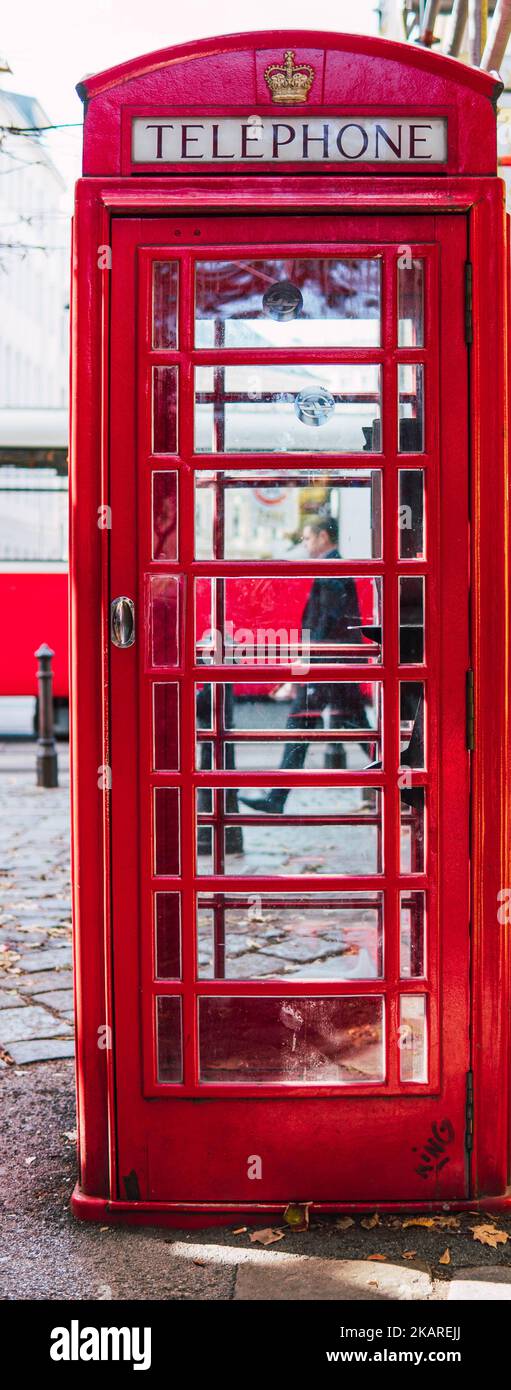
(299, 621)
(164, 489)
(162, 630)
(251, 409)
(317, 726)
(248, 304)
(298, 830)
(164, 410)
(412, 724)
(314, 936)
(413, 1057)
(412, 857)
(241, 515)
(308, 1041)
(169, 1038)
(168, 936)
(166, 830)
(411, 408)
(165, 304)
(410, 298)
(413, 935)
(411, 618)
(165, 727)
(411, 514)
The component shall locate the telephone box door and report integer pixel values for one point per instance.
(290, 780)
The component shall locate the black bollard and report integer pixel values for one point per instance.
(46, 763)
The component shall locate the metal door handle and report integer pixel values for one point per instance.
(122, 621)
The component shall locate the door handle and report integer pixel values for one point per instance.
(122, 621)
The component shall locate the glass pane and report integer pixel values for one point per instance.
(411, 408)
(34, 506)
(413, 1057)
(166, 830)
(288, 515)
(170, 1052)
(413, 935)
(323, 302)
(411, 514)
(412, 724)
(164, 516)
(164, 410)
(298, 621)
(298, 830)
(412, 801)
(165, 304)
(308, 1041)
(411, 619)
(287, 409)
(168, 936)
(162, 628)
(317, 726)
(317, 936)
(166, 727)
(410, 295)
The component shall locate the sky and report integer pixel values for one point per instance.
(51, 46)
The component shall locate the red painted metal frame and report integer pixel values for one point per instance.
(99, 201)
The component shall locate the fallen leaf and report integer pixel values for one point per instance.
(376, 1257)
(267, 1236)
(440, 1223)
(28, 1161)
(104, 1228)
(240, 1231)
(445, 1259)
(70, 1134)
(369, 1222)
(296, 1216)
(344, 1223)
(409, 1254)
(200, 1262)
(489, 1235)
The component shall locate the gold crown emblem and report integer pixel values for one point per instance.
(289, 81)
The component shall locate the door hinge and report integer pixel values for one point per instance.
(469, 693)
(469, 1113)
(469, 319)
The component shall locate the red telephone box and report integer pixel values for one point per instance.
(290, 651)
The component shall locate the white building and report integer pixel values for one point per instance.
(34, 262)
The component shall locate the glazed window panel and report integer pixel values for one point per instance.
(323, 936)
(411, 619)
(166, 830)
(327, 725)
(411, 517)
(309, 408)
(291, 1040)
(297, 830)
(165, 387)
(165, 726)
(412, 724)
(162, 620)
(413, 1053)
(169, 1038)
(165, 304)
(267, 516)
(410, 298)
(298, 621)
(413, 830)
(412, 934)
(291, 302)
(164, 510)
(411, 407)
(167, 926)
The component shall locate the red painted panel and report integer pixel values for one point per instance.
(34, 609)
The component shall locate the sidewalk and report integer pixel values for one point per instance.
(46, 1254)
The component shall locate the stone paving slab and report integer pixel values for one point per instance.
(39, 982)
(47, 958)
(20, 1025)
(480, 1284)
(9, 999)
(57, 999)
(41, 1050)
(283, 1277)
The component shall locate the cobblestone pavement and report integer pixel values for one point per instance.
(45, 1253)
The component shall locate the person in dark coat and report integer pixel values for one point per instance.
(330, 614)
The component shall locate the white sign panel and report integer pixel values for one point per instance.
(297, 140)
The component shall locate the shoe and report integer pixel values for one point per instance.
(261, 803)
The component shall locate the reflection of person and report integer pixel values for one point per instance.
(329, 615)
